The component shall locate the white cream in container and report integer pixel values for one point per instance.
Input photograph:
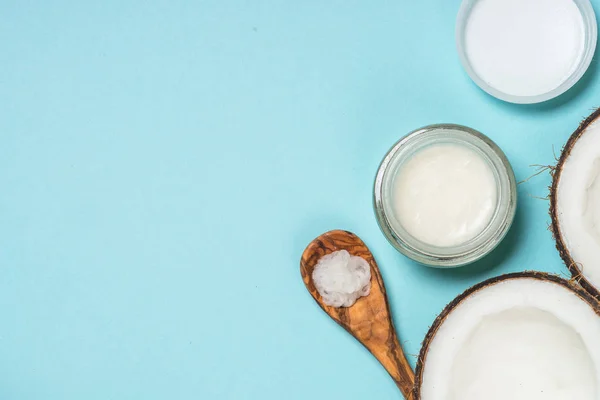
(445, 195)
(526, 51)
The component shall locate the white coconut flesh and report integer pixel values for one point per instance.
(517, 339)
(578, 203)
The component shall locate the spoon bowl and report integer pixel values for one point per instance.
(369, 319)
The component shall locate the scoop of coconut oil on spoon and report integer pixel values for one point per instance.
(368, 319)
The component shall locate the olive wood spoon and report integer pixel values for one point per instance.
(369, 319)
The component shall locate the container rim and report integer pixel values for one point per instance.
(591, 37)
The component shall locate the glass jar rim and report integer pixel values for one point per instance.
(590, 40)
(488, 238)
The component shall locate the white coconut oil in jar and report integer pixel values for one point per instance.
(445, 195)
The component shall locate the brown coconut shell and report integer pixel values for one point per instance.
(572, 265)
(542, 276)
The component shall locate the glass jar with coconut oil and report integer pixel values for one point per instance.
(445, 195)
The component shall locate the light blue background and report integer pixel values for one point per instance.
(163, 164)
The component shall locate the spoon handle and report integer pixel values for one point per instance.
(393, 360)
(378, 335)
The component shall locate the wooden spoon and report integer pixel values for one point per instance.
(368, 320)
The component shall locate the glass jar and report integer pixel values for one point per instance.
(470, 250)
(589, 47)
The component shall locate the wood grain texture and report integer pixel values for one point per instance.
(369, 319)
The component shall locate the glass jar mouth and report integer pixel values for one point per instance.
(486, 240)
(584, 61)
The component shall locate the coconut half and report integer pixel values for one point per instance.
(575, 204)
(524, 336)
